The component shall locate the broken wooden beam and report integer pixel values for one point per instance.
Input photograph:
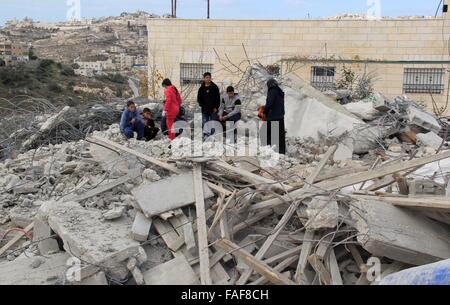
(350, 180)
(255, 264)
(16, 238)
(202, 230)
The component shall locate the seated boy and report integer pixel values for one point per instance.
(150, 129)
(131, 122)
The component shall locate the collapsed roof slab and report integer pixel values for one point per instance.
(310, 113)
(87, 236)
(399, 234)
(40, 270)
(172, 193)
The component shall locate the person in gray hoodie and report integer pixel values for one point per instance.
(230, 106)
(230, 111)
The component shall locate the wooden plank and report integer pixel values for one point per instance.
(288, 214)
(251, 220)
(173, 241)
(336, 173)
(279, 268)
(284, 255)
(401, 182)
(254, 263)
(304, 254)
(351, 180)
(270, 239)
(441, 204)
(336, 278)
(16, 238)
(358, 258)
(321, 270)
(251, 177)
(220, 212)
(202, 230)
(162, 164)
(104, 188)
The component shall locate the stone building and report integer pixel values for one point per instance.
(408, 56)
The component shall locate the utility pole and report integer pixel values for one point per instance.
(171, 2)
(175, 8)
(209, 8)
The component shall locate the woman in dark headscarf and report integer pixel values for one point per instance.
(274, 112)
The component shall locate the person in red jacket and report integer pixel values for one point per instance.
(172, 105)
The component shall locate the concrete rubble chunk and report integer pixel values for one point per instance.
(174, 272)
(25, 271)
(322, 213)
(423, 119)
(430, 139)
(168, 194)
(114, 213)
(42, 235)
(87, 236)
(141, 227)
(363, 110)
(399, 234)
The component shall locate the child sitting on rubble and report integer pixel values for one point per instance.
(131, 122)
(150, 129)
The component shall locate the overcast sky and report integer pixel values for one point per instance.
(56, 10)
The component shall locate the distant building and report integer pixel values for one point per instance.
(407, 56)
(91, 68)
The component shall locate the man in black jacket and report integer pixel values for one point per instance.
(274, 111)
(209, 99)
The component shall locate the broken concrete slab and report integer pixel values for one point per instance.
(399, 234)
(24, 271)
(168, 194)
(141, 227)
(430, 139)
(363, 110)
(42, 235)
(87, 236)
(304, 105)
(174, 272)
(98, 279)
(423, 119)
(323, 212)
(22, 216)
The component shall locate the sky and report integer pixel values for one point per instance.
(57, 10)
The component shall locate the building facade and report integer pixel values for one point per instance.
(404, 56)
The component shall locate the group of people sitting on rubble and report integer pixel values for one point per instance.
(214, 107)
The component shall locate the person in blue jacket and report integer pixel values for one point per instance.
(131, 122)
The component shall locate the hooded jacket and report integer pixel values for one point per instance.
(274, 108)
(173, 101)
(231, 106)
(208, 98)
(127, 116)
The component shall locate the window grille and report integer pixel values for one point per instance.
(323, 78)
(424, 80)
(193, 73)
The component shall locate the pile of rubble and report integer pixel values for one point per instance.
(106, 210)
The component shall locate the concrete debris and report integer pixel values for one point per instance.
(366, 180)
(430, 139)
(26, 271)
(159, 197)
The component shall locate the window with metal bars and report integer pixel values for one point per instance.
(323, 78)
(193, 73)
(424, 80)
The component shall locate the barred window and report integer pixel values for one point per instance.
(424, 80)
(323, 78)
(193, 73)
